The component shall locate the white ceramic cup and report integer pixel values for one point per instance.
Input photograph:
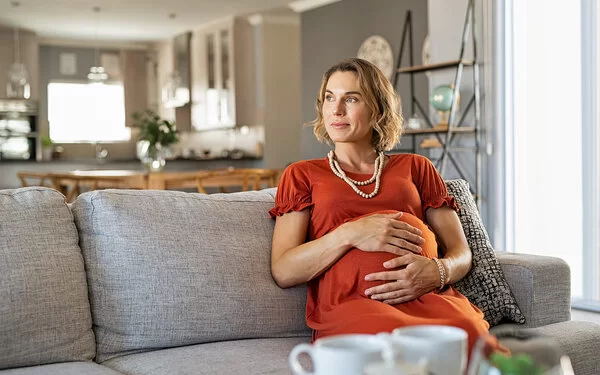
(338, 355)
(444, 348)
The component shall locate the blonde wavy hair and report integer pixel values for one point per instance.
(380, 97)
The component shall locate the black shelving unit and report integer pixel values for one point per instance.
(457, 127)
(19, 122)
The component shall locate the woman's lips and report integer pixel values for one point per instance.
(339, 125)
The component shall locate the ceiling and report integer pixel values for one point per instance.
(122, 20)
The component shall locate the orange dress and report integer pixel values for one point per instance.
(336, 302)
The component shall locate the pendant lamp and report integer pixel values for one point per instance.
(97, 73)
(17, 83)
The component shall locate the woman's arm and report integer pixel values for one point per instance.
(294, 261)
(457, 255)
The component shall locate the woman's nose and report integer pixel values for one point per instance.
(338, 108)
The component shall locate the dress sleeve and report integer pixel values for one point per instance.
(293, 191)
(432, 187)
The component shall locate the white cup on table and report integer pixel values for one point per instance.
(338, 355)
(443, 348)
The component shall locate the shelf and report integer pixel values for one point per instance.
(435, 140)
(5, 134)
(437, 66)
(462, 129)
(430, 147)
(21, 106)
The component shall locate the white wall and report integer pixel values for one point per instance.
(446, 19)
(445, 29)
(282, 93)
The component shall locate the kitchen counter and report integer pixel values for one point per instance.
(199, 158)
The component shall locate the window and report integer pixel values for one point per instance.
(83, 112)
(552, 140)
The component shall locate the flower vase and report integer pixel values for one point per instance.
(153, 157)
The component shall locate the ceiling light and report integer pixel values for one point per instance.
(97, 74)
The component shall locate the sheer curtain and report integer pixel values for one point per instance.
(552, 144)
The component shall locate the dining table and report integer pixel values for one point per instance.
(73, 183)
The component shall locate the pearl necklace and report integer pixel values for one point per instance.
(378, 167)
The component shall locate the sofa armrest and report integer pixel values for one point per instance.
(541, 285)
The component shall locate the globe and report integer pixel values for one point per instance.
(441, 98)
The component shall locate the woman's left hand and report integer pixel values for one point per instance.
(420, 276)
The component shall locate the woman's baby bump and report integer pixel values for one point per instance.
(350, 270)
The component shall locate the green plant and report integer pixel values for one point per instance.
(157, 131)
(520, 364)
(46, 141)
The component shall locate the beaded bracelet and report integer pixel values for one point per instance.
(442, 270)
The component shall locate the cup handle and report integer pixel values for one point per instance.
(388, 354)
(295, 363)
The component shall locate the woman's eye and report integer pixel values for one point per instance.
(351, 100)
(329, 98)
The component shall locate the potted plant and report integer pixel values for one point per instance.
(47, 147)
(155, 137)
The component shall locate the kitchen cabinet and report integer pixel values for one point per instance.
(224, 65)
(245, 71)
(213, 76)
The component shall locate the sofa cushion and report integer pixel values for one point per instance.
(168, 268)
(485, 285)
(69, 368)
(541, 286)
(45, 312)
(248, 357)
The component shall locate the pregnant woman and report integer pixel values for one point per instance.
(364, 229)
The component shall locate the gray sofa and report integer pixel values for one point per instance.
(166, 282)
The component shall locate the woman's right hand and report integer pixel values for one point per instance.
(384, 232)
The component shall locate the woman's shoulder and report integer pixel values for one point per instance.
(414, 159)
(307, 165)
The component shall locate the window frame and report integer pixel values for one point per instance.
(590, 76)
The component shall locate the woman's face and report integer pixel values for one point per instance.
(345, 112)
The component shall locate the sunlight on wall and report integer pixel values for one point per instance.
(547, 131)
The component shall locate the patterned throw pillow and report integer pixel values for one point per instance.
(485, 285)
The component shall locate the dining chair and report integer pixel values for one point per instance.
(243, 179)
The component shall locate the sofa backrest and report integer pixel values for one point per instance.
(44, 310)
(168, 268)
